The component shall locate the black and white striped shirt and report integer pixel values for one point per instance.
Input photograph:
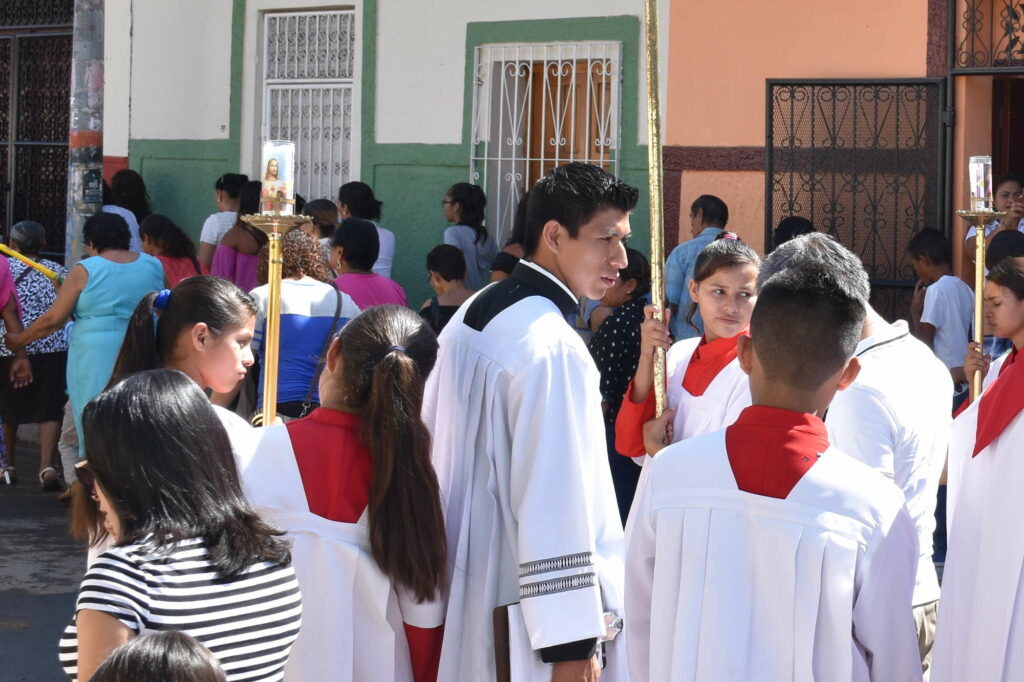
(249, 622)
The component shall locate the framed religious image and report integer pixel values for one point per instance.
(278, 177)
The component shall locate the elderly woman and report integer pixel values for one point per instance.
(42, 401)
(101, 292)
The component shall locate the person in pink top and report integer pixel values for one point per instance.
(236, 257)
(354, 251)
(168, 243)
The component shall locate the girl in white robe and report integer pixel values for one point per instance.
(980, 633)
(353, 486)
(706, 387)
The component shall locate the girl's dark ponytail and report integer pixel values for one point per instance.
(138, 350)
(387, 353)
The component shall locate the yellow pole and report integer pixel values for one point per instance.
(272, 338)
(654, 169)
(979, 300)
(31, 263)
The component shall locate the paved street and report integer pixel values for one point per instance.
(39, 573)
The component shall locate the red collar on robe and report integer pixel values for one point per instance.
(333, 462)
(1011, 358)
(770, 449)
(708, 359)
(1000, 404)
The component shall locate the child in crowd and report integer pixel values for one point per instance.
(982, 614)
(706, 387)
(169, 656)
(355, 249)
(1009, 198)
(446, 274)
(169, 244)
(760, 552)
(354, 485)
(943, 304)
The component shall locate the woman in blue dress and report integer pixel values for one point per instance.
(101, 292)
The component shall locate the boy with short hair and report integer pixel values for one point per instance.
(943, 304)
(760, 552)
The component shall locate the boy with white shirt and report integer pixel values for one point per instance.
(895, 417)
(761, 552)
(943, 304)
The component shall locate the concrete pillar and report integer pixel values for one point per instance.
(85, 139)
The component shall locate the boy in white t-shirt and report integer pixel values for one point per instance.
(943, 304)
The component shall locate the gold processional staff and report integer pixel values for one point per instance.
(654, 175)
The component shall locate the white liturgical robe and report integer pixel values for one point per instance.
(980, 633)
(813, 583)
(514, 406)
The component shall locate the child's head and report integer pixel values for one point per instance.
(1004, 244)
(160, 657)
(723, 287)
(634, 280)
(445, 263)
(803, 332)
(377, 367)
(356, 245)
(930, 254)
(1007, 188)
(1004, 300)
(162, 237)
(203, 327)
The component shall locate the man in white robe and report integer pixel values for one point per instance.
(761, 552)
(895, 417)
(514, 406)
(981, 623)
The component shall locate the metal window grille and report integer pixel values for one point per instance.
(864, 161)
(536, 107)
(988, 35)
(308, 81)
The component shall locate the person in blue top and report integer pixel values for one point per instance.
(101, 292)
(708, 218)
(464, 206)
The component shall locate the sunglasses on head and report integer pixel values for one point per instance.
(85, 477)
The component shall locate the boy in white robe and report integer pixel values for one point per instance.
(760, 552)
(514, 405)
(895, 417)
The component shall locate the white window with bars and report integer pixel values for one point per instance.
(536, 106)
(308, 82)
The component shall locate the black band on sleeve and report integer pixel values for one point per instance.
(580, 650)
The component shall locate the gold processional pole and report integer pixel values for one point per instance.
(980, 215)
(275, 225)
(654, 176)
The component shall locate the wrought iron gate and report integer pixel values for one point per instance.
(864, 161)
(35, 77)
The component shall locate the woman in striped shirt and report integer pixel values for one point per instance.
(189, 554)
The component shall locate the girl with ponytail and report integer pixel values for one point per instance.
(353, 485)
(202, 328)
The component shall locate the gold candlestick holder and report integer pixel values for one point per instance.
(275, 226)
(979, 218)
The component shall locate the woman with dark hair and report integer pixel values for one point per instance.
(227, 191)
(353, 485)
(506, 260)
(356, 200)
(101, 292)
(168, 656)
(189, 553)
(446, 271)
(464, 205)
(615, 346)
(324, 213)
(129, 191)
(312, 310)
(42, 401)
(169, 244)
(789, 228)
(135, 244)
(236, 257)
(353, 252)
